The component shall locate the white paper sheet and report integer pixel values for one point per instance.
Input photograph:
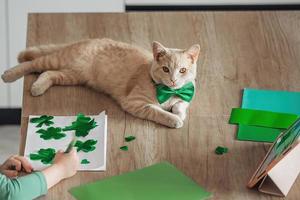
(96, 157)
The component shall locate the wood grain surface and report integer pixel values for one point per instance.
(239, 49)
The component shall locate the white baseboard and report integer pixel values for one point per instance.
(209, 2)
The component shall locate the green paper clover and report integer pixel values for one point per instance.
(51, 133)
(40, 121)
(86, 146)
(129, 138)
(124, 148)
(221, 150)
(45, 155)
(85, 162)
(82, 125)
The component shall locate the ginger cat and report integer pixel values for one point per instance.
(127, 73)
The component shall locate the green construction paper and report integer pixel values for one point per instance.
(158, 182)
(84, 162)
(46, 156)
(269, 119)
(129, 138)
(51, 133)
(82, 126)
(221, 150)
(124, 148)
(40, 121)
(268, 100)
(272, 100)
(256, 133)
(86, 146)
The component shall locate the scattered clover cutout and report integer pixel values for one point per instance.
(40, 121)
(129, 138)
(45, 155)
(85, 162)
(124, 148)
(82, 125)
(86, 146)
(51, 133)
(221, 150)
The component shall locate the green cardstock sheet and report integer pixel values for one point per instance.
(262, 118)
(158, 182)
(268, 100)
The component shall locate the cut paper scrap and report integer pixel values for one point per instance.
(160, 181)
(129, 138)
(124, 148)
(94, 151)
(221, 150)
(262, 118)
(267, 100)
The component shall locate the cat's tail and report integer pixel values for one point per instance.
(32, 53)
(40, 64)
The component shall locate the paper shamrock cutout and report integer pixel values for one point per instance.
(86, 146)
(51, 133)
(129, 138)
(82, 125)
(85, 161)
(40, 121)
(221, 150)
(45, 155)
(124, 148)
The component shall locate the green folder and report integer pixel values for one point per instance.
(268, 100)
(158, 182)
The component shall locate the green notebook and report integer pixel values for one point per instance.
(268, 100)
(158, 182)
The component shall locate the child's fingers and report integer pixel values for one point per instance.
(26, 165)
(13, 164)
(60, 151)
(10, 173)
(73, 151)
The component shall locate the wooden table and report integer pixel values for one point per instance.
(239, 49)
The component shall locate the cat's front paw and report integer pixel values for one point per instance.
(37, 90)
(175, 122)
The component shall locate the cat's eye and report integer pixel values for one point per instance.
(182, 70)
(165, 69)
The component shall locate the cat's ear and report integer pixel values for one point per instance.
(193, 52)
(158, 50)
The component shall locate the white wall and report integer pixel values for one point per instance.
(3, 52)
(15, 34)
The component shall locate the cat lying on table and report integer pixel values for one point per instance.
(156, 86)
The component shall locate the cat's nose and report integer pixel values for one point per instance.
(173, 81)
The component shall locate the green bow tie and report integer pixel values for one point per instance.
(186, 93)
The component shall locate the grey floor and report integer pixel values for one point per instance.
(9, 141)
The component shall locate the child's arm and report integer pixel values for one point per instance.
(35, 184)
(26, 187)
(65, 165)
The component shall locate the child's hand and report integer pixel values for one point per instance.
(68, 162)
(13, 165)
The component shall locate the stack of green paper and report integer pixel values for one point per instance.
(157, 182)
(267, 100)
